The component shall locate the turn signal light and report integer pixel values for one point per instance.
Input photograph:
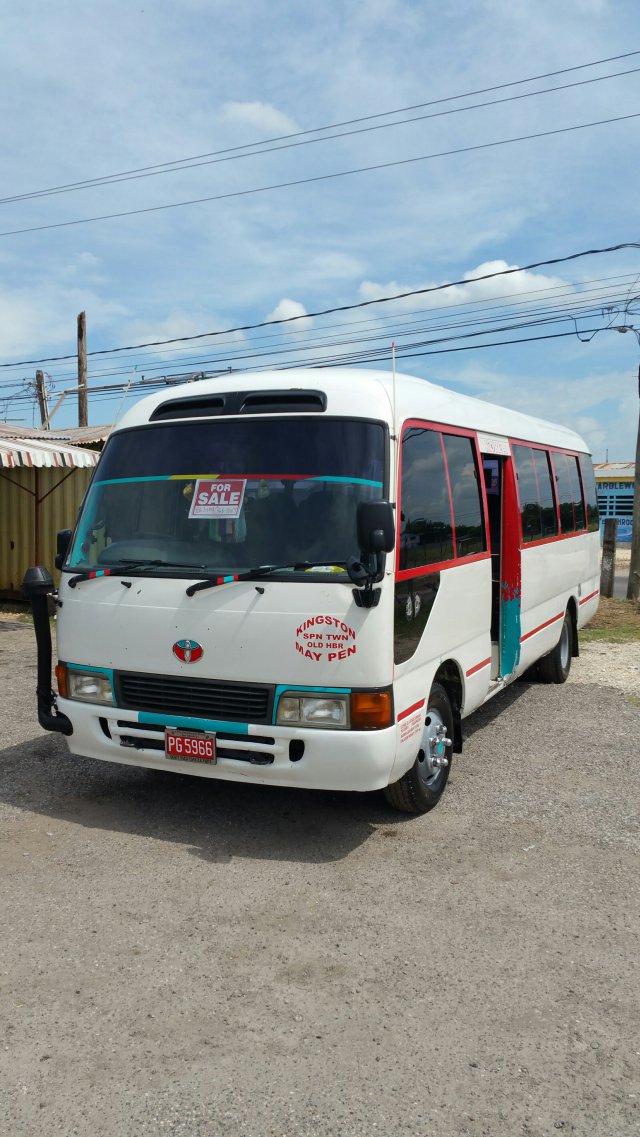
(371, 710)
(61, 680)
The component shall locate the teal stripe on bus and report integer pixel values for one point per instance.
(246, 477)
(192, 724)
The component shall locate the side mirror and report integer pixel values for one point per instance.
(376, 527)
(63, 540)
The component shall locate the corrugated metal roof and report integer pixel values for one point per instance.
(16, 452)
(76, 435)
(614, 470)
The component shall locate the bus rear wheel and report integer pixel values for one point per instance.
(555, 667)
(421, 788)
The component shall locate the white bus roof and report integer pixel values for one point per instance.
(363, 393)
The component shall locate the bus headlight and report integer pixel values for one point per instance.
(328, 711)
(89, 687)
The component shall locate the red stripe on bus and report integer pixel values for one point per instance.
(590, 596)
(410, 710)
(541, 627)
(478, 667)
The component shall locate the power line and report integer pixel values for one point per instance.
(343, 307)
(567, 306)
(370, 331)
(352, 361)
(252, 150)
(320, 177)
(277, 356)
(577, 291)
(368, 355)
(353, 121)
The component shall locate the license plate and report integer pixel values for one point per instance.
(190, 746)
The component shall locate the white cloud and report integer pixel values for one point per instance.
(36, 320)
(264, 116)
(515, 283)
(291, 309)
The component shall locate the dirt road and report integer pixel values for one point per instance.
(190, 958)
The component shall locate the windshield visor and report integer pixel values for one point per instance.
(225, 497)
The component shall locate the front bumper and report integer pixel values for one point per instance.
(264, 754)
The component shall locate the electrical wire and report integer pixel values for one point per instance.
(288, 320)
(220, 156)
(408, 351)
(320, 177)
(277, 355)
(413, 321)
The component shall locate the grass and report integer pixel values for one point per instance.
(615, 622)
(18, 612)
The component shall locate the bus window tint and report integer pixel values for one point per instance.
(576, 492)
(425, 519)
(529, 494)
(589, 485)
(565, 492)
(565, 496)
(465, 494)
(548, 515)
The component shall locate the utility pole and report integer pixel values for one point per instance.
(41, 392)
(83, 405)
(633, 587)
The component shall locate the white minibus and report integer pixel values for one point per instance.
(311, 577)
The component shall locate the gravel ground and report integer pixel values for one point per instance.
(190, 958)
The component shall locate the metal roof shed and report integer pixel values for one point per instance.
(42, 484)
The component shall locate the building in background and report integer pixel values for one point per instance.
(42, 483)
(614, 483)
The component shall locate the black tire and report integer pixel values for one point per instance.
(555, 667)
(421, 788)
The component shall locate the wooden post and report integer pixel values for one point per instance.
(83, 407)
(41, 392)
(607, 572)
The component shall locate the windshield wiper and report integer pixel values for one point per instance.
(123, 568)
(260, 571)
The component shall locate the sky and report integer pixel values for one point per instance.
(92, 90)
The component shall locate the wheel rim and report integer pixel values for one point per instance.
(565, 646)
(432, 755)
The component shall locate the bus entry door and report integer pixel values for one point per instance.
(502, 504)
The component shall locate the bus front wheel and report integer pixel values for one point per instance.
(423, 785)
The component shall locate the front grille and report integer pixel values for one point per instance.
(195, 698)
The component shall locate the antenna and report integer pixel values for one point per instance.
(395, 423)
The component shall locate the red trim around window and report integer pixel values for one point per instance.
(440, 566)
(550, 451)
(456, 562)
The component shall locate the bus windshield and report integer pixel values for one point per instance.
(227, 496)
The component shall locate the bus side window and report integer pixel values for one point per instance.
(465, 494)
(529, 494)
(548, 513)
(576, 492)
(426, 535)
(590, 495)
(569, 492)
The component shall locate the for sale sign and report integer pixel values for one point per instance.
(214, 497)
